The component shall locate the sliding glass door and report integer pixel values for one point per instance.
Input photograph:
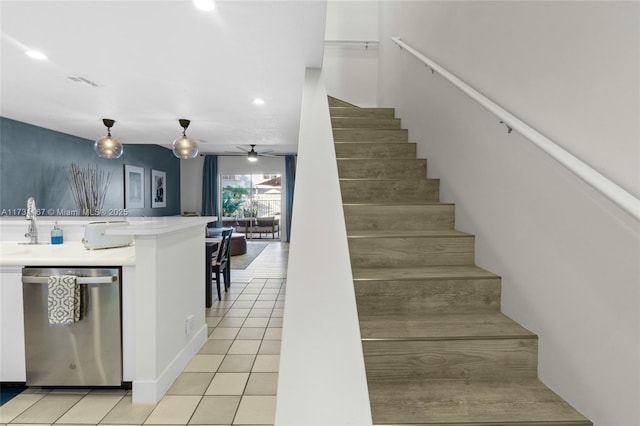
(256, 197)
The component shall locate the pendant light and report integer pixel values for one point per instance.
(184, 147)
(108, 146)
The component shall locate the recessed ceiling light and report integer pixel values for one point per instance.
(258, 101)
(206, 5)
(36, 55)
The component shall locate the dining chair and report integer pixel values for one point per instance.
(220, 263)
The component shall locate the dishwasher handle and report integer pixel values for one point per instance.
(34, 279)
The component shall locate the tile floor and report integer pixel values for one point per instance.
(231, 381)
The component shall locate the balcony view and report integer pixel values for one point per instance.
(252, 204)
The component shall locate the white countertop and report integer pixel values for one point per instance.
(72, 252)
(161, 225)
(67, 254)
(137, 225)
(14, 228)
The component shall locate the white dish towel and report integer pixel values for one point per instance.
(64, 300)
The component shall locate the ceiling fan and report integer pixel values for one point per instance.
(252, 154)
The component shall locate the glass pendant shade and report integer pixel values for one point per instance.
(108, 146)
(184, 147)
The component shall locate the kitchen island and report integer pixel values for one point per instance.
(163, 302)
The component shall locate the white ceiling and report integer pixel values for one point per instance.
(156, 61)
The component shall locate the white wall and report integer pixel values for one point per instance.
(351, 20)
(169, 288)
(351, 71)
(322, 378)
(191, 185)
(568, 68)
(568, 257)
(240, 165)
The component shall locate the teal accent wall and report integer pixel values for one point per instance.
(34, 162)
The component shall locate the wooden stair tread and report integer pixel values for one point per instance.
(420, 326)
(361, 113)
(375, 129)
(401, 181)
(407, 233)
(421, 272)
(347, 111)
(381, 160)
(455, 402)
(383, 179)
(400, 206)
(374, 158)
(351, 131)
(361, 144)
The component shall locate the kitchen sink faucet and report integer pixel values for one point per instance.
(32, 233)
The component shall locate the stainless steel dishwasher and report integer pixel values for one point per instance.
(86, 352)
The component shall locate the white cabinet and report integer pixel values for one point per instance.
(12, 361)
(163, 286)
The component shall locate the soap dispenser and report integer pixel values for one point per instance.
(56, 234)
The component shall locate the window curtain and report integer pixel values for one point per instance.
(290, 176)
(210, 205)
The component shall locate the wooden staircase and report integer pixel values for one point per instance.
(437, 349)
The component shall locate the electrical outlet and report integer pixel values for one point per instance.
(188, 325)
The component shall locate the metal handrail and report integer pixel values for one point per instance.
(622, 198)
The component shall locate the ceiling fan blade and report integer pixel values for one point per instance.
(239, 148)
(266, 154)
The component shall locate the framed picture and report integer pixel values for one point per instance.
(133, 187)
(158, 189)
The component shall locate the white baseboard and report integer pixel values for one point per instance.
(151, 391)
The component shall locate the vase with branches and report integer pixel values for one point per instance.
(89, 187)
